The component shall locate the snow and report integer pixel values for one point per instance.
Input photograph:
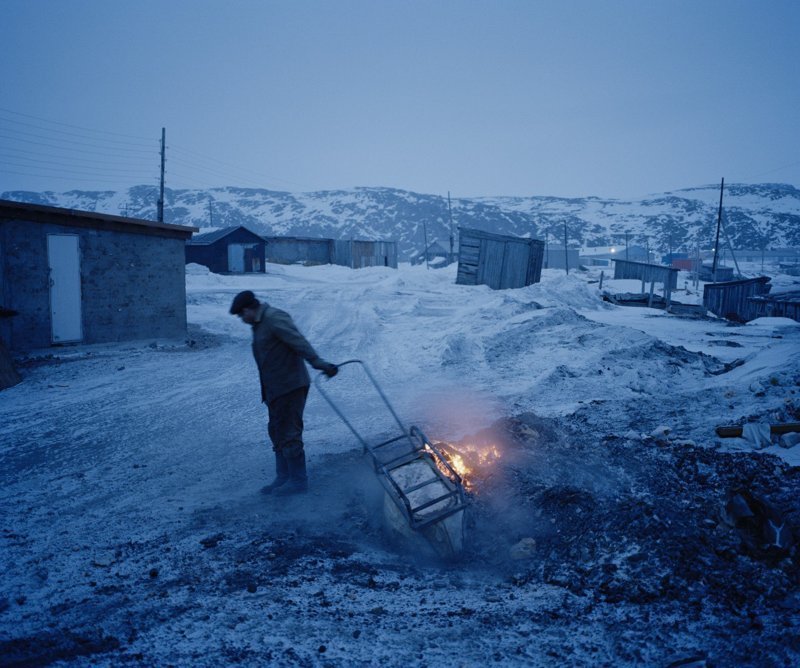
(118, 460)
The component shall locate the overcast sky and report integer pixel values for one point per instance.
(614, 98)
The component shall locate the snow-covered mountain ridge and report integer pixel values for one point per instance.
(758, 216)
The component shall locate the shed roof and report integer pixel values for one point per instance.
(40, 213)
(216, 235)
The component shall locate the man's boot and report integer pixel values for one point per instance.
(298, 480)
(281, 474)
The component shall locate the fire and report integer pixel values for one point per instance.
(471, 462)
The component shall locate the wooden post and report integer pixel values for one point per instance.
(602, 276)
(716, 243)
(566, 257)
(652, 288)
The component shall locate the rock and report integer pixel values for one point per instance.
(525, 549)
(661, 431)
(153, 572)
(789, 440)
(104, 559)
(212, 541)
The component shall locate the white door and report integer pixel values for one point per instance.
(65, 287)
(236, 258)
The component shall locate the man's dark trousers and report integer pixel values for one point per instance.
(285, 430)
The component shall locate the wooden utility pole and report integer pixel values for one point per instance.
(210, 214)
(566, 257)
(452, 236)
(425, 232)
(716, 242)
(161, 192)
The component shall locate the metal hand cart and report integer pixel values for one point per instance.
(425, 490)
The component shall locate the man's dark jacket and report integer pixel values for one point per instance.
(279, 349)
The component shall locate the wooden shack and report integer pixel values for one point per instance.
(230, 250)
(298, 250)
(357, 254)
(499, 261)
(347, 253)
(781, 305)
(647, 273)
(729, 299)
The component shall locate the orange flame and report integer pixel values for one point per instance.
(471, 462)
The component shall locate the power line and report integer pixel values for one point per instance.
(67, 125)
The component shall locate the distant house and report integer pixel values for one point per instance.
(347, 253)
(434, 253)
(71, 276)
(554, 257)
(498, 261)
(722, 274)
(231, 250)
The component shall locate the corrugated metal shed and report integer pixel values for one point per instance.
(498, 261)
(358, 254)
(647, 273)
(729, 299)
(302, 250)
(348, 253)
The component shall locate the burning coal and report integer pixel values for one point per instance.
(470, 462)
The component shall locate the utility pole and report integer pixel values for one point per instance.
(161, 192)
(425, 232)
(210, 214)
(566, 256)
(716, 242)
(627, 234)
(452, 238)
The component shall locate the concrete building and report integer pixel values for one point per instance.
(81, 277)
(230, 250)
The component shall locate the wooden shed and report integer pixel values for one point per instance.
(647, 273)
(499, 261)
(358, 253)
(347, 253)
(781, 305)
(298, 250)
(231, 250)
(71, 276)
(730, 299)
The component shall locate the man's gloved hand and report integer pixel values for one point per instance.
(330, 370)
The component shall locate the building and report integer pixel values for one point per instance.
(81, 277)
(230, 250)
(555, 258)
(733, 299)
(498, 261)
(435, 254)
(647, 273)
(345, 252)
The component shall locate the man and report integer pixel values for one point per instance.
(279, 349)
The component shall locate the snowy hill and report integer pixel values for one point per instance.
(762, 215)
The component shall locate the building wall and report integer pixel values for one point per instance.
(498, 261)
(132, 284)
(291, 250)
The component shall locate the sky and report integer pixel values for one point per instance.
(570, 98)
